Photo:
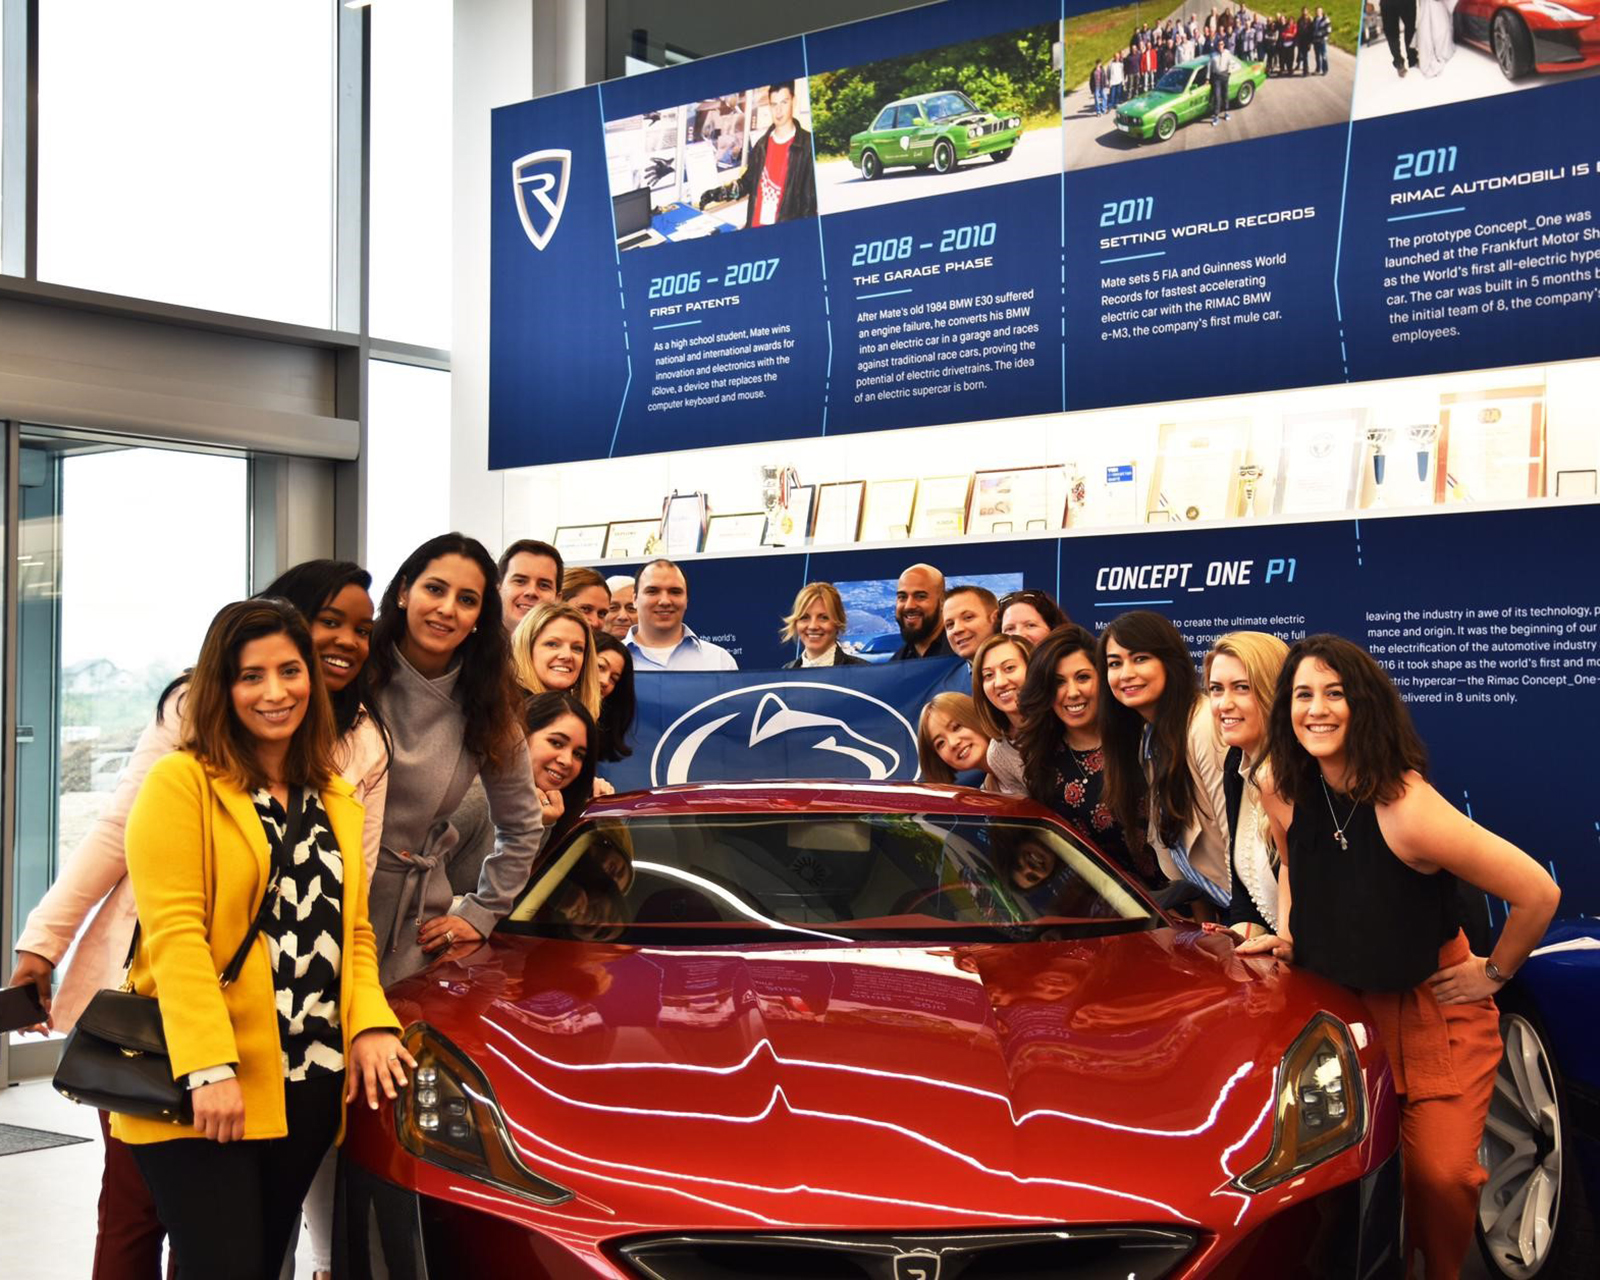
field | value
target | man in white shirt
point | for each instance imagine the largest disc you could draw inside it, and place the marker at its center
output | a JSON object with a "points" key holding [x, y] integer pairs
{"points": [[1222, 66], [660, 641], [530, 575]]}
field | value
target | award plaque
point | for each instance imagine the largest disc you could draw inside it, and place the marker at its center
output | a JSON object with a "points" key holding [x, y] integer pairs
{"points": [[1110, 496], [1492, 446], [683, 523], [1319, 464], [579, 542], [1030, 498], [886, 514], [792, 525], [941, 507], [632, 539], [838, 513], [1197, 469], [741, 532], [1579, 483]]}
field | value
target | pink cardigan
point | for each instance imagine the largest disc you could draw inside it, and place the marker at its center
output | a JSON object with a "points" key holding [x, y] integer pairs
{"points": [[97, 872]]}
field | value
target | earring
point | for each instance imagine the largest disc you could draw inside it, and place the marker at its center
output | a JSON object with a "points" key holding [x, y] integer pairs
{"points": [[474, 630]]}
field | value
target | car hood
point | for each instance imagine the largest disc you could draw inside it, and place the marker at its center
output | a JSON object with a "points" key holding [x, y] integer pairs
{"points": [[1152, 101], [1114, 1079]]}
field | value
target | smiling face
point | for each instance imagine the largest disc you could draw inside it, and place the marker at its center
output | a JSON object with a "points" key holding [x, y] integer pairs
{"points": [[442, 608], [621, 616], [341, 635], [608, 666], [272, 690], [1034, 866], [592, 603], [1233, 704], [558, 653], [816, 627], [1136, 679], [557, 752], [1320, 714], [1002, 673], [1077, 696], [967, 623], [529, 580], [1022, 619], [918, 605], [663, 600], [958, 745]]}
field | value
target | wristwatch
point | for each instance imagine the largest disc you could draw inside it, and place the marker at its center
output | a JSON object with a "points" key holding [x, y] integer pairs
{"points": [[1492, 972]]}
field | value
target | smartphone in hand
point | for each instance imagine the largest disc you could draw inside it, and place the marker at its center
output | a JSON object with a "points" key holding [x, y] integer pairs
{"points": [[20, 1007]]}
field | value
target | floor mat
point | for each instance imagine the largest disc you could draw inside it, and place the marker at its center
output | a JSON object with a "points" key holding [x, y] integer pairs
{"points": [[14, 1139]]}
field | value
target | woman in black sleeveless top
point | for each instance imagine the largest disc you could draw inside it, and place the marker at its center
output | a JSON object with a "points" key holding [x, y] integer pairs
{"points": [[1367, 889]]}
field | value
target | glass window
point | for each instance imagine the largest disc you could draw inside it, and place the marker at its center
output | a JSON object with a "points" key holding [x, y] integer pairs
{"points": [[409, 290], [186, 153], [408, 463]]}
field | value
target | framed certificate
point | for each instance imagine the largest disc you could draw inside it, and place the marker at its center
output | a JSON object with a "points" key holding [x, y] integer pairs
{"points": [[886, 514], [683, 523], [792, 527], [1491, 446], [1576, 484], [1319, 464], [1018, 501], [742, 532], [941, 507], [1197, 468], [1110, 496], [838, 512], [581, 541], [631, 539]]}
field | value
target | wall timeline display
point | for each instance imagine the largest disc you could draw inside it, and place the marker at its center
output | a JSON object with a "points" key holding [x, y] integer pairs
{"points": [[950, 214]]}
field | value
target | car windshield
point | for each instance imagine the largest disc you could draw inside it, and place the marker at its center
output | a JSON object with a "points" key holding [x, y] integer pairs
{"points": [[843, 876], [944, 105], [1175, 81]]}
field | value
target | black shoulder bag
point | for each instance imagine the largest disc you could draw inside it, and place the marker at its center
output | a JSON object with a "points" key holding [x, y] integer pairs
{"points": [[116, 1057]]}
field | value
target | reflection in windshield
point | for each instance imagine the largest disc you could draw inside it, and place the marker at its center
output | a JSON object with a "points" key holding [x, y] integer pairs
{"points": [[832, 876], [948, 104], [1175, 81]]}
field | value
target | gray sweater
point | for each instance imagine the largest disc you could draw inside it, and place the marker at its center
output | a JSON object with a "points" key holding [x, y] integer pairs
{"points": [[430, 770]]}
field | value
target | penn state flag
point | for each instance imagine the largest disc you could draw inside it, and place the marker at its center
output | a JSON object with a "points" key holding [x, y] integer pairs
{"points": [[852, 723]]}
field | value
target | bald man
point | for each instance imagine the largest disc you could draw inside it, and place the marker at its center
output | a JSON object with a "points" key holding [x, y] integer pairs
{"points": [[919, 609]]}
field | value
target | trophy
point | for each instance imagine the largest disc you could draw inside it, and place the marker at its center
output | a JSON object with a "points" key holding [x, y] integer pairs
{"points": [[1249, 477], [1422, 439], [1378, 441], [777, 482], [1077, 498]]}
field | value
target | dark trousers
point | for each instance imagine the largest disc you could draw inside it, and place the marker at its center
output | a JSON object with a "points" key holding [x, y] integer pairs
{"points": [[1219, 95], [128, 1238], [230, 1207], [1397, 14]]}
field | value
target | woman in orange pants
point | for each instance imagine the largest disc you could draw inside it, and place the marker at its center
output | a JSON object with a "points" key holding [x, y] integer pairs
{"points": [[1371, 854]]}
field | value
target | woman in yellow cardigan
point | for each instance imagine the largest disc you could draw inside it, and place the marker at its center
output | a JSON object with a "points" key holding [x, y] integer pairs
{"points": [[271, 1059]]}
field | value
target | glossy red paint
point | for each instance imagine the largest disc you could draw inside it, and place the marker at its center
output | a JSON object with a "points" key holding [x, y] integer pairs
{"points": [[875, 1086]]}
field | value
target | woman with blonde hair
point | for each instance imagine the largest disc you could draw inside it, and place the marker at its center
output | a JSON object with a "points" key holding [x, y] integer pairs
{"points": [[951, 739], [552, 651], [814, 624], [586, 591], [999, 668], [1241, 674]]}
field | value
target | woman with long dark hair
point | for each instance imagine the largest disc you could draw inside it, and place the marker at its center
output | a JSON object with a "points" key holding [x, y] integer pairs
{"points": [[1371, 854], [618, 704], [998, 669], [441, 674], [332, 595], [271, 1059], [1063, 765], [560, 735], [1162, 758]]}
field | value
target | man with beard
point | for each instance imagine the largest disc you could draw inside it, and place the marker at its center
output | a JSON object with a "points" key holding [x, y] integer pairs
{"points": [[919, 609]]}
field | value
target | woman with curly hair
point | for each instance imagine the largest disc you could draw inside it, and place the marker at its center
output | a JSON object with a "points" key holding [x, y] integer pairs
{"points": [[441, 674]]}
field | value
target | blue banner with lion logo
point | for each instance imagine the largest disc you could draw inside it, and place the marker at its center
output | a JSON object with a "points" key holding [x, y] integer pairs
{"points": [[858, 724]]}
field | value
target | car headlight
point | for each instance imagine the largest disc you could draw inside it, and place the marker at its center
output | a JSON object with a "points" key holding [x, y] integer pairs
{"points": [[448, 1116], [1559, 12], [1320, 1107]]}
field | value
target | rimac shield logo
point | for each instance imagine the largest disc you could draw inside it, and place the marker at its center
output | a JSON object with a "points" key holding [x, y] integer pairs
{"points": [[537, 175], [789, 729]]}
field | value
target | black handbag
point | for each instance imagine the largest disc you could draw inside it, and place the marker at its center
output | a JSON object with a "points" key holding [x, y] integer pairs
{"points": [[116, 1057]]}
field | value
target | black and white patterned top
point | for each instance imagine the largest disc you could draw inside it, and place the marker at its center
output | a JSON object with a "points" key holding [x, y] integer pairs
{"points": [[304, 934]]}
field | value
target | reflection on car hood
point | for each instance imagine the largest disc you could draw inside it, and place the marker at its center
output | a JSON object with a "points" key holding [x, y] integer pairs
{"points": [[1117, 1079]]}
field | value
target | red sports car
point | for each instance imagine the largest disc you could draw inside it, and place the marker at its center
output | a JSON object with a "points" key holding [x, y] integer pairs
{"points": [[886, 1031], [1532, 35]]}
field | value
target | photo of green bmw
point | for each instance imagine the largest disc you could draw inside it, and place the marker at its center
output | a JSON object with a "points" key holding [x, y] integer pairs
{"points": [[937, 130], [1184, 94], [928, 122]]}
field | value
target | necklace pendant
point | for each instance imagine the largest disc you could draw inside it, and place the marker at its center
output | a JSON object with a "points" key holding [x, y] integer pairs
{"points": [[1343, 843]]}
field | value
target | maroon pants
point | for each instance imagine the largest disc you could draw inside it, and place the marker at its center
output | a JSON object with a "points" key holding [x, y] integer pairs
{"points": [[128, 1246]]}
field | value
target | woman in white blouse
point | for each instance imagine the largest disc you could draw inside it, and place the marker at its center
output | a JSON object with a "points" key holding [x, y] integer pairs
{"points": [[814, 624]]}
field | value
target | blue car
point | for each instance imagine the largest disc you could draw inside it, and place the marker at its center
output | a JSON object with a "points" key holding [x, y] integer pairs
{"points": [[1542, 1141]]}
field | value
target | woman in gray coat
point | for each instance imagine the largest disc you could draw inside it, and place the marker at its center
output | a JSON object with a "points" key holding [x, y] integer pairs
{"points": [[441, 675]]}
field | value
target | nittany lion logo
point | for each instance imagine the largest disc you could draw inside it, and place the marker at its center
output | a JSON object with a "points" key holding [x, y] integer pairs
{"points": [[538, 174], [792, 729]]}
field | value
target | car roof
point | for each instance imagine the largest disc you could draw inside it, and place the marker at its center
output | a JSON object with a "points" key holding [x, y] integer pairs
{"points": [[920, 98], [785, 797]]}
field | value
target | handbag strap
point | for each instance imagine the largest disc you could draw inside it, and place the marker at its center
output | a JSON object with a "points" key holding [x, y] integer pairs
{"points": [[282, 854]]}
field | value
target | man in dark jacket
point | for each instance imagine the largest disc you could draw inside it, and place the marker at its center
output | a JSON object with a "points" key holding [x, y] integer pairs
{"points": [[779, 181]]}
